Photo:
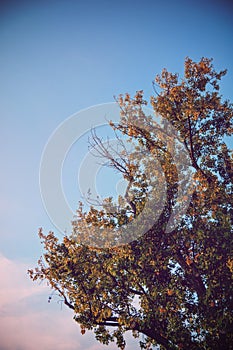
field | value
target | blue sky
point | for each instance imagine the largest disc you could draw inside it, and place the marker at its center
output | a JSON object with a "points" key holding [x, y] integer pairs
{"points": [[57, 58]]}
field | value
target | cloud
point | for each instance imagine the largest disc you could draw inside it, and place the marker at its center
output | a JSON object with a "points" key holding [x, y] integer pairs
{"points": [[28, 322]]}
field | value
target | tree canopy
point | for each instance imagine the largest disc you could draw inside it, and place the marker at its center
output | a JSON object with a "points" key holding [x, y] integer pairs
{"points": [[171, 280]]}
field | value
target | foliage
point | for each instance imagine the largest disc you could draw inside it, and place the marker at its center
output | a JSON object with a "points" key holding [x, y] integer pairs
{"points": [[174, 286]]}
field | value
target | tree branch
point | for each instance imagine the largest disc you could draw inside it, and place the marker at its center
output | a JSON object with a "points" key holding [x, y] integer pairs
{"points": [[66, 302]]}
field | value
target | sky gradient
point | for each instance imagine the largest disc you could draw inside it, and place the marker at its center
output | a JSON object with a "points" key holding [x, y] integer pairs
{"points": [[58, 57]]}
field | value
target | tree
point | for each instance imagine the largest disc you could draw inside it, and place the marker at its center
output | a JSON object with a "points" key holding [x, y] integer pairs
{"points": [[173, 284]]}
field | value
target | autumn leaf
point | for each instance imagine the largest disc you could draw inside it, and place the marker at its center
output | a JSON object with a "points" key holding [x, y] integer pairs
{"points": [[174, 287]]}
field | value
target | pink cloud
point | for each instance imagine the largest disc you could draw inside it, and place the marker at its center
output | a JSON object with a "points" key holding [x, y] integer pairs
{"points": [[27, 321]]}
